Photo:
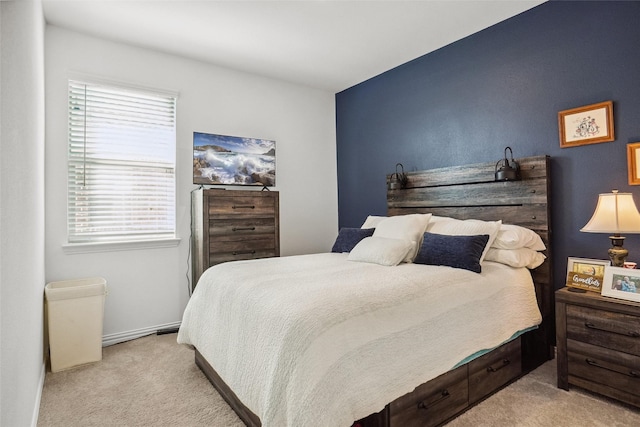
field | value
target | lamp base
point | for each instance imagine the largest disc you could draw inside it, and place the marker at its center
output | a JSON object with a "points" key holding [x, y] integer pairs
{"points": [[617, 254]]}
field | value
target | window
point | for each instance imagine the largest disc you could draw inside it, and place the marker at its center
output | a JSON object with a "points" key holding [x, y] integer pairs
{"points": [[121, 164]]}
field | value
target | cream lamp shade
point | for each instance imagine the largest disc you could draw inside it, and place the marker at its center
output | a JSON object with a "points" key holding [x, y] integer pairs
{"points": [[615, 213]]}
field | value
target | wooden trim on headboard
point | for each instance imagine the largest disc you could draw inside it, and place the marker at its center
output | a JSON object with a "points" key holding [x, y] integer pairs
{"points": [[470, 192]]}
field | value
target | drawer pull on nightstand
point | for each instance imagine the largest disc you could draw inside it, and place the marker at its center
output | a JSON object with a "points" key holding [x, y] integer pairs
{"points": [[443, 395], [595, 363], [632, 334], [243, 207], [243, 229], [504, 363], [243, 252]]}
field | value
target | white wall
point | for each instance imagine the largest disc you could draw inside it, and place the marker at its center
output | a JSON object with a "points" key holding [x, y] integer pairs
{"points": [[22, 263], [148, 288]]}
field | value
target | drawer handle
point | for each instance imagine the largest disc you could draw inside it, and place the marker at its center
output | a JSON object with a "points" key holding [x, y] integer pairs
{"points": [[632, 334], [442, 396], [243, 207], [504, 363], [595, 363], [243, 252], [243, 228]]}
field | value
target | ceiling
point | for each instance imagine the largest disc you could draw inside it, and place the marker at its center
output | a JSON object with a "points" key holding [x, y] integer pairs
{"points": [[329, 45]]}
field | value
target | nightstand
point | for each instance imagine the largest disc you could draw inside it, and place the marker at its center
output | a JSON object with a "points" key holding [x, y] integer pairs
{"points": [[598, 341]]}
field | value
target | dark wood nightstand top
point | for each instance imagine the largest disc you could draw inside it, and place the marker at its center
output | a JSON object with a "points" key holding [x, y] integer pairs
{"points": [[595, 300]]}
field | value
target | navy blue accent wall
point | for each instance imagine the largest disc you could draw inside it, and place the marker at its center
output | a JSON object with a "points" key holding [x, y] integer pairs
{"points": [[503, 86]]}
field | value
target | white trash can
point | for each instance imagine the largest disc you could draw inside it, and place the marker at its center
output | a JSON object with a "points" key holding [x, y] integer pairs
{"points": [[75, 316]]}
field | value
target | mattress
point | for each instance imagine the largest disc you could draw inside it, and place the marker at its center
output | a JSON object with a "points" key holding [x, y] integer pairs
{"points": [[317, 340]]}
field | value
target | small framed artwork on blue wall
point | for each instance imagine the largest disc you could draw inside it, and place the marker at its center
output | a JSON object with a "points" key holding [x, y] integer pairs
{"points": [[590, 124]]}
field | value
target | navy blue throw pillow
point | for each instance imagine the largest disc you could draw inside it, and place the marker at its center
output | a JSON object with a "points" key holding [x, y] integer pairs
{"points": [[348, 238], [452, 251]]}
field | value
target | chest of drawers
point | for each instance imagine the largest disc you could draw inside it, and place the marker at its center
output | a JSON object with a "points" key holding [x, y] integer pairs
{"points": [[229, 225], [598, 340]]}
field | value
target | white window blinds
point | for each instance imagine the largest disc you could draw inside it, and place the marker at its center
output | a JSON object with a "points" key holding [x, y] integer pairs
{"points": [[121, 167]]}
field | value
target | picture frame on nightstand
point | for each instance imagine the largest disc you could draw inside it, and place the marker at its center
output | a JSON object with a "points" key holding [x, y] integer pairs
{"points": [[586, 274], [622, 283]]}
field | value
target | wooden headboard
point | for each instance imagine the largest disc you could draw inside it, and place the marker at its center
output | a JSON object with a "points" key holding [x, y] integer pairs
{"points": [[470, 192]]}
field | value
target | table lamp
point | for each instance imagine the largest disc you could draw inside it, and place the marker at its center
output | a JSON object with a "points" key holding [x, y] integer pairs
{"points": [[615, 213]]}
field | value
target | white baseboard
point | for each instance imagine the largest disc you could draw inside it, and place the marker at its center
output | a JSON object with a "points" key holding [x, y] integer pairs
{"points": [[119, 337], [36, 409]]}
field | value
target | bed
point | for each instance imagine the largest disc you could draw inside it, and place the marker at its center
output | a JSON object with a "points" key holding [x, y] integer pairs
{"points": [[326, 339]]}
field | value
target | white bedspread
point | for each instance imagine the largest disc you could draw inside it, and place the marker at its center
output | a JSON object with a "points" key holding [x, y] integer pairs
{"points": [[316, 340]]}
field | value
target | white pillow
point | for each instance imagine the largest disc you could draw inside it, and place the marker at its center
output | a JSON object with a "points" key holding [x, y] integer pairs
{"points": [[380, 250], [372, 221], [468, 227], [405, 227], [436, 218], [515, 237], [522, 257]]}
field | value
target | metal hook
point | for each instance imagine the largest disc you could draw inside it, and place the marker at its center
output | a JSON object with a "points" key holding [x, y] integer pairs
{"points": [[398, 180]]}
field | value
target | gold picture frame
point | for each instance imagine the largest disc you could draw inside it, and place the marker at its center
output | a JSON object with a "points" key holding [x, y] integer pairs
{"points": [[587, 274], [633, 168], [590, 124]]}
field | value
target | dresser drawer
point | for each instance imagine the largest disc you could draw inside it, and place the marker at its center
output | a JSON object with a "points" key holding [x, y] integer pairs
{"points": [[614, 374], [432, 403], [241, 255], [616, 331], [242, 243], [249, 205], [242, 226], [493, 370]]}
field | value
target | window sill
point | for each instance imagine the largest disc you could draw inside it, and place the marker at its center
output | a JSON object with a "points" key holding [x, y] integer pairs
{"points": [[83, 248]]}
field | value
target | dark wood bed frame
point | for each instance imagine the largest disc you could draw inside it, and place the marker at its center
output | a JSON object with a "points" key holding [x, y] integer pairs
{"points": [[464, 192]]}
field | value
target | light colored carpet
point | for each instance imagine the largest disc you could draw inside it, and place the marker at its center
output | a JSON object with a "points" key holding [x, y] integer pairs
{"points": [[153, 381], [150, 381]]}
